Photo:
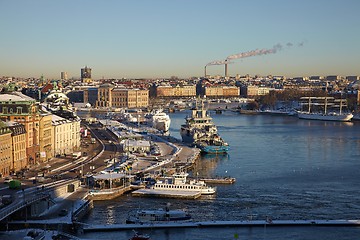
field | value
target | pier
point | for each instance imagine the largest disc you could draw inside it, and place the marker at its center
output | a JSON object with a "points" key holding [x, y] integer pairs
{"points": [[208, 224], [226, 180], [166, 194]]}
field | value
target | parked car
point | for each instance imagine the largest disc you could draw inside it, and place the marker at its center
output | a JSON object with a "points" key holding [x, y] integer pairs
{"points": [[7, 179]]}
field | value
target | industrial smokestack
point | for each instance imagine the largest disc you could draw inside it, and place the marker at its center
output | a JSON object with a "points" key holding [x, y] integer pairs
{"points": [[205, 71], [226, 69]]}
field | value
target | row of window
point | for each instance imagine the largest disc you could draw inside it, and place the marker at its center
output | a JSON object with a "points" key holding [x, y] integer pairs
{"points": [[177, 186], [6, 110]]}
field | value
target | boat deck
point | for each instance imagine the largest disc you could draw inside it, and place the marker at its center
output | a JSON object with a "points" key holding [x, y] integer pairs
{"points": [[219, 180], [166, 193]]}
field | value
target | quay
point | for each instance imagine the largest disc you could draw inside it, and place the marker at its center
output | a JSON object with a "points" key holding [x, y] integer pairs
{"points": [[108, 194], [166, 194], [225, 180], [208, 224]]}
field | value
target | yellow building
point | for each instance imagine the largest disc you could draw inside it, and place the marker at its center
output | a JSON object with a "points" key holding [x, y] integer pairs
{"points": [[45, 137], [109, 96], [176, 91], [222, 91], [18, 136], [137, 98], [5, 150], [104, 95], [15, 106]]}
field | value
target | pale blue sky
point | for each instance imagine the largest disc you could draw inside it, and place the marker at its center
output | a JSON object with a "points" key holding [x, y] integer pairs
{"points": [[162, 38]]}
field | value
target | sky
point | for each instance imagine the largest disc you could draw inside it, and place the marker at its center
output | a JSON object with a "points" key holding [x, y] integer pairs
{"points": [[164, 38]]}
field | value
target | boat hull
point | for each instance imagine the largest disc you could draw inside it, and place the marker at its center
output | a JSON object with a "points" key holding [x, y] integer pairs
{"points": [[324, 117], [214, 149]]}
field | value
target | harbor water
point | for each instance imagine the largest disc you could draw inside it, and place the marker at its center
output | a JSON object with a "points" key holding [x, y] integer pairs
{"points": [[285, 168]]}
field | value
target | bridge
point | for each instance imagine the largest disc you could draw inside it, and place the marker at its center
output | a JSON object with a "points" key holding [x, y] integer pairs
{"points": [[29, 196]]}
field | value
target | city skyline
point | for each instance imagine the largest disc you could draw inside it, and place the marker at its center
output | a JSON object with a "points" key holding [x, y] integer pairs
{"points": [[154, 39]]}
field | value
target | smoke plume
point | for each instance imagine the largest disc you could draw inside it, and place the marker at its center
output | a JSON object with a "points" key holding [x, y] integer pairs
{"points": [[257, 52], [221, 62]]}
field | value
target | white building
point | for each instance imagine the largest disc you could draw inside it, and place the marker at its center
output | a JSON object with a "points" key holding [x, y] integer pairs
{"points": [[140, 146], [66, 135]]}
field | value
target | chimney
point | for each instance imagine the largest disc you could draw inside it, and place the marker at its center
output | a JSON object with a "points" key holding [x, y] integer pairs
{"points": [[226, 69]]}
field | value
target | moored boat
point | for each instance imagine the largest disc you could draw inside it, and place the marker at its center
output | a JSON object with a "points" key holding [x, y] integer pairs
{"points": [[323, 113], [157, 216], [178, 182], [200, 131], [139, 236]]}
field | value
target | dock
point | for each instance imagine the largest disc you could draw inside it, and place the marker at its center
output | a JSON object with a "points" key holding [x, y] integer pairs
{"points": [[108, 194], [166, 193], [225, 180], [207, 224]]}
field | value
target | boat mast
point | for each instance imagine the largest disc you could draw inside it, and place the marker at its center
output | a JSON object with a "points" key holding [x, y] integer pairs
{"points": [[325, 110], [341, 101]]}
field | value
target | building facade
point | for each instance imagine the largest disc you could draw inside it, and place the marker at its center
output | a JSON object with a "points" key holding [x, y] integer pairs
{"points": [[18, 137], [109, 96], [20, 108], [62, 140], [5, 150], [45, 137], [221, 91], [176, 91]]}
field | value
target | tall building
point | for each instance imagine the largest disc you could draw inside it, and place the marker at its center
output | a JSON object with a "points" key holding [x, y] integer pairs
{"points": [[5, 150], [64, 76], [86, 74], [18, 135], [17, 107]]}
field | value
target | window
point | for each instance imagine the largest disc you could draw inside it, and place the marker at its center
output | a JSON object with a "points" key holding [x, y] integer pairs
{"points": [[19, 110]]}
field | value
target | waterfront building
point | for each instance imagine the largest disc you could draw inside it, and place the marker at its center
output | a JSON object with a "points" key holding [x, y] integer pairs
{"points": [[253, 91], [5, 150], [110, 96], [176, 91], [222, 91], [136, 98]]}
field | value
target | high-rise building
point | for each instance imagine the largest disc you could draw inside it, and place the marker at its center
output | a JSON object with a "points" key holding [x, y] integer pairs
{"points": [[86, 74], [64, 76]]}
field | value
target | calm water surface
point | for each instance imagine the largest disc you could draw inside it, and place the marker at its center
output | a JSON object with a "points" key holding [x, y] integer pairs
{"points": [[285, 168]]}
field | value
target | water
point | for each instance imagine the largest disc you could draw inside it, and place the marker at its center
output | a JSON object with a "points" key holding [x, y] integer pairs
{"points": [[285, 168]]}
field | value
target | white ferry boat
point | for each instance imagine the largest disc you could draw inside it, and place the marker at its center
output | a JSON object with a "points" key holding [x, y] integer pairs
{"points": [[160, 121], [178, 182], [157, 216]]}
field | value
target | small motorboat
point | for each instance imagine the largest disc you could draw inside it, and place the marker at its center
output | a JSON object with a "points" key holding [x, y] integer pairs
{"points": [[139, 236]]}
